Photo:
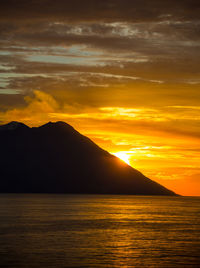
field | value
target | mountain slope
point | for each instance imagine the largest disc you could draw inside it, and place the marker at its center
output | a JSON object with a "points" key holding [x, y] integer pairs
{"points": [[55, 158]]}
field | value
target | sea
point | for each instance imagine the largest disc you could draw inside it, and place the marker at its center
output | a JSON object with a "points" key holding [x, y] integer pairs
{"points": [[57, 230]]}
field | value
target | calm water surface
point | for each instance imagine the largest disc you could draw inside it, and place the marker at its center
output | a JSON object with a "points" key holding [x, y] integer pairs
{"points": [[99, 231]]}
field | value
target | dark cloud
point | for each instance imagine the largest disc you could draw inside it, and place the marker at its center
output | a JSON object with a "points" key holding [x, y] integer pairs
{"points": [[155, 42], [152, 41], [8, 101], [91, 10]]}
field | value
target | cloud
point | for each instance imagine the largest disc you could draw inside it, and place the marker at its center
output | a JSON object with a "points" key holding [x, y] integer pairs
{"points": [[87, 10], [36, 110], [157, 51], [148, 121]]}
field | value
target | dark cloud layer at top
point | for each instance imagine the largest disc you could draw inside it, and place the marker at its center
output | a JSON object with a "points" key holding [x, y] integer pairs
{"points": [[153, 40], [104, 10]]}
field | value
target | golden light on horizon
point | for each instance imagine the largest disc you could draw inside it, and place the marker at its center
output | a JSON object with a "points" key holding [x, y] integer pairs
{"points": [[123, 156]]}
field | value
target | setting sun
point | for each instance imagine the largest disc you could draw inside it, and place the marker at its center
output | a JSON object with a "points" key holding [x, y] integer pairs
{"points": [[123, 156]]}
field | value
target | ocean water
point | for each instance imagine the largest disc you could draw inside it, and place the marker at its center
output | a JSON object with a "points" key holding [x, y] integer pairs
{"points": [[99, 231]]}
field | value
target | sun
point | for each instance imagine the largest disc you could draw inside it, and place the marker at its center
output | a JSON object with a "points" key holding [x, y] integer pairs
{"points": [[123, 156]]}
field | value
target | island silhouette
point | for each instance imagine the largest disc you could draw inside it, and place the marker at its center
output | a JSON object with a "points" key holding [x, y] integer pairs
{"points": [[55, 158]]}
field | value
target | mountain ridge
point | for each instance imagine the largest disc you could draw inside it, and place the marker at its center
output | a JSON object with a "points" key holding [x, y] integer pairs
{"points": [[55, 158]]}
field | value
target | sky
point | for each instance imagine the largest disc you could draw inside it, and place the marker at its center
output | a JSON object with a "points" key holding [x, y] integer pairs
{"points": [[125, 73]]}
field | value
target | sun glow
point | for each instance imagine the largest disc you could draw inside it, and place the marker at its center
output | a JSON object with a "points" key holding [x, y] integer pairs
{"points": [[123, 156]]}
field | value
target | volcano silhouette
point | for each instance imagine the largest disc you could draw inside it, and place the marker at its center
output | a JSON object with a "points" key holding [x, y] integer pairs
{"points": [[55, 158]]}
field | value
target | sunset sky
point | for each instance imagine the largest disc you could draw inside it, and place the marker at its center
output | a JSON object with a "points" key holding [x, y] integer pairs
{"points": [[125, 73]]}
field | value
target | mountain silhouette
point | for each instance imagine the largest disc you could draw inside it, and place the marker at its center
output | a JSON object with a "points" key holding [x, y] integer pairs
{"points": [[55, 158]]}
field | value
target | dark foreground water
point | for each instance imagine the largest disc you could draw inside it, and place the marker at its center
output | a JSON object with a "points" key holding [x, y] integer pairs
{"points": [[99, 231]]}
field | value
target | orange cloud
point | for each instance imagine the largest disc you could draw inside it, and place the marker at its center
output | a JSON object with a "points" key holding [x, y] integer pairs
{"points": [[37, 110]]}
